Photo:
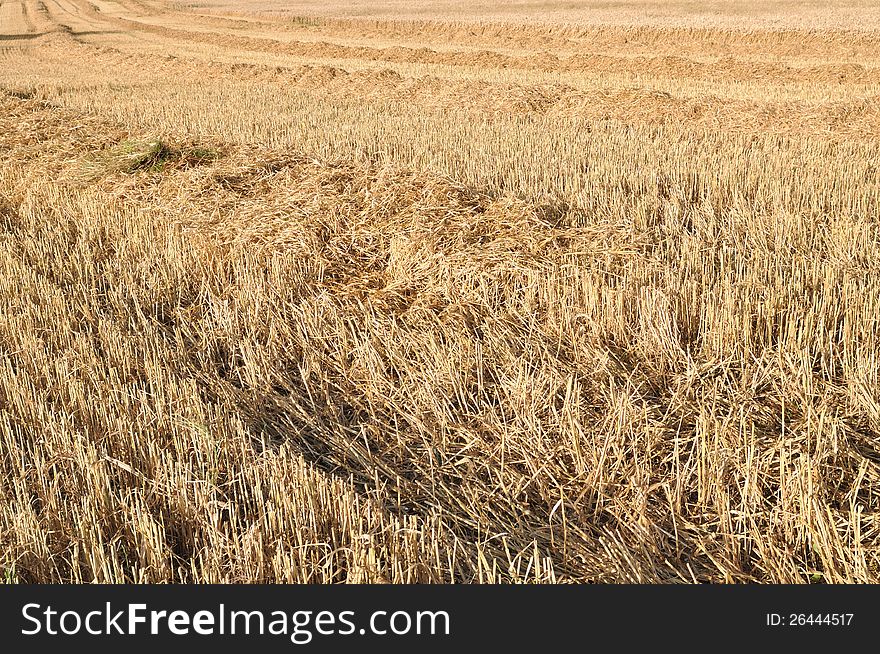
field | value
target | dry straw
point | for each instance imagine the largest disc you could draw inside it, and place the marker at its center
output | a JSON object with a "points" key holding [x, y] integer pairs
{"points": [[304, 302]]}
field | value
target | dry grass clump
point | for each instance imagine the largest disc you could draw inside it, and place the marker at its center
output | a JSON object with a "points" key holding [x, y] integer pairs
{"points": [[308, 302], [150, 155]]}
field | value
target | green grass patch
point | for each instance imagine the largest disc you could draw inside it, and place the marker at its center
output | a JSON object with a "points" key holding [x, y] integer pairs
{"points": [[151, 156]]}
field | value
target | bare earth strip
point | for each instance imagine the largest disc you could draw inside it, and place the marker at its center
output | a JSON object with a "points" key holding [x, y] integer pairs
{"points": [[363, 294]]}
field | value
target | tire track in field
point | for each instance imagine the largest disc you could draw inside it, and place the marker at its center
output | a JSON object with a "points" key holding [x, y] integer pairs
{"points": [[25, 9], [68, 18], [82, 24], [13, 21], [37, 16]]}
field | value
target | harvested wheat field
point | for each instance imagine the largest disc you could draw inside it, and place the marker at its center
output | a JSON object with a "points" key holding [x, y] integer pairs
{"points": [[538, 292]]}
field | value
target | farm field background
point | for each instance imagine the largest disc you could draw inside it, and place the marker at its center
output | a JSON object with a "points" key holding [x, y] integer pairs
{"points": [[439, 291]]}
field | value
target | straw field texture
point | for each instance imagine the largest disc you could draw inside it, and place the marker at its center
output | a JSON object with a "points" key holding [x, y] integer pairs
{"points": [[442, 292]]}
